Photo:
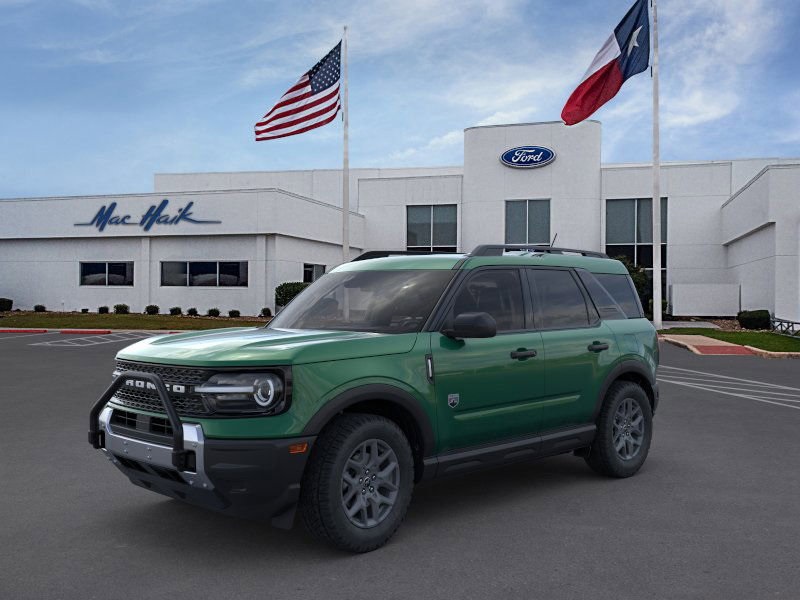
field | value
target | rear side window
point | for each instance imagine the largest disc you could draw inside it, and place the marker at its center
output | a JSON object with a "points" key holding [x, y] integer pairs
{"points": [[561, 304], [605, 304], [621, 289]]}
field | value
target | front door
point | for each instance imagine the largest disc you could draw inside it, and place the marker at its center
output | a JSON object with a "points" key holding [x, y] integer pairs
{"points": [[487, 389]]}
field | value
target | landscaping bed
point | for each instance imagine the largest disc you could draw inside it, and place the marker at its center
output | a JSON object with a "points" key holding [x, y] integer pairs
{"points": [[76, 320], [764, 340]]}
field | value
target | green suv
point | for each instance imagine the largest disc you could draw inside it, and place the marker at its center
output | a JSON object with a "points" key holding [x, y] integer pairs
{"points": [[385, 372]]}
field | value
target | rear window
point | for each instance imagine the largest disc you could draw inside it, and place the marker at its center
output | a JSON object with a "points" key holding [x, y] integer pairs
{"points": [[622, 291]]}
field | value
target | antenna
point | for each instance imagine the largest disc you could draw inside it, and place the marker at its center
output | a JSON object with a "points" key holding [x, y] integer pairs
{"points": [[555, 237]]}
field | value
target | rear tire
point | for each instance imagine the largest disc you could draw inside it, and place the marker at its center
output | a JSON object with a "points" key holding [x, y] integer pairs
{"points": [[624, 431], [358, 483]]}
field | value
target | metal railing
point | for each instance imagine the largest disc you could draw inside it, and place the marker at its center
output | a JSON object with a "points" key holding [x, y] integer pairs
{"points": [[785, 327]]}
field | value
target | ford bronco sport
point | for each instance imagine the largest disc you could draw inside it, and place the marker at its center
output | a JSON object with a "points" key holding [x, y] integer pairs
{"points": [[385, 372]]}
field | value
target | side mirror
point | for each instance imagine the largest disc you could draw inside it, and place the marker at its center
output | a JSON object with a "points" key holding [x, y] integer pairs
{"points": [[472, 325]]}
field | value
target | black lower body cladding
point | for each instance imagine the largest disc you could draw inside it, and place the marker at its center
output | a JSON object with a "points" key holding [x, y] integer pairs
{"points": [[255, 479]]}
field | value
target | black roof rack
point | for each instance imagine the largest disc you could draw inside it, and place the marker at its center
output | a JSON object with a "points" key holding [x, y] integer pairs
{"points": [[498, 249], [385, 253]]}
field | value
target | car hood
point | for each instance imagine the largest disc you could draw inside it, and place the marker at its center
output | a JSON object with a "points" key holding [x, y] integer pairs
{"points": [[262, 346]]}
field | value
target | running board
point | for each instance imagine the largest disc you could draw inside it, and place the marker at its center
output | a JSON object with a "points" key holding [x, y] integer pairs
{"points": [[548, 444]]}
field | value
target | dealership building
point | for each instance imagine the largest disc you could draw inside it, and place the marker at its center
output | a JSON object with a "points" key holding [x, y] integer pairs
{"points": [[730, 228]]}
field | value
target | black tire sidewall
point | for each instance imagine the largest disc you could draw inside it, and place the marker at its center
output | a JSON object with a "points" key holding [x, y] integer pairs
{"points": [[354, 537], [606, 458]]}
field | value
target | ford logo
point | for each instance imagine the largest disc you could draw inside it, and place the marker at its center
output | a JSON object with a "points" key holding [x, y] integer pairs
{"points": [[527, 157]]}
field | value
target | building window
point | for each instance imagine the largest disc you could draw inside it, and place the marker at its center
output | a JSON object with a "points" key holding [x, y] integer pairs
{"points": [[432, 227], [312, 272], [629, 232], [107, 273], [204, 273], [528, 222]]}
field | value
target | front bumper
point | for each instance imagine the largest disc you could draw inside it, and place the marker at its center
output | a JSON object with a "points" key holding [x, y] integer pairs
{"points": [[258, 479]]}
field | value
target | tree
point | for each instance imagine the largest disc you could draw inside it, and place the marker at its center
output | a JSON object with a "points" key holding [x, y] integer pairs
{"points": [[641, 280]]}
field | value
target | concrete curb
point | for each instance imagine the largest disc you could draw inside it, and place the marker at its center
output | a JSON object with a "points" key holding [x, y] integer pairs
{"points": [[98, 331], [688, 347], [756, 351], [770, 354]]}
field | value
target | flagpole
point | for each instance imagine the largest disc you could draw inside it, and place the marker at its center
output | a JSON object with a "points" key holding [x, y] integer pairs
{"points": [[345, 159], [656, 204]]}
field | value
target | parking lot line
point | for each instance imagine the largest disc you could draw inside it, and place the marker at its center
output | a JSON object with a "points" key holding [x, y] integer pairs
{"points": [[676, 372], [95, 340], [759, 391], [727, 393], [22, 334]]}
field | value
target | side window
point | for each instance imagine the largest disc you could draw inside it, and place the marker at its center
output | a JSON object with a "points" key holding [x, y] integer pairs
{"points": [[560, 300], [605, 304], [498, 293], [623, 291]]}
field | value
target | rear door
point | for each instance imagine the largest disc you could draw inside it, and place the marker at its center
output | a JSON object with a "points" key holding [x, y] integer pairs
{"points": [[488, 389], [578, 347]]}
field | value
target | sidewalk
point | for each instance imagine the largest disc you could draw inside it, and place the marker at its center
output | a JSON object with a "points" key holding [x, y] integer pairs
{"points": [[700, 344]]}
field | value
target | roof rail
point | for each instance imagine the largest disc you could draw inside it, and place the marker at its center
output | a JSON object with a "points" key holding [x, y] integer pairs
{"points": [[385, 253], [498, 249]]}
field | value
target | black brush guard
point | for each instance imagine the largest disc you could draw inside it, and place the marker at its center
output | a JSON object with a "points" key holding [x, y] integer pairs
{"points": [[179, 455]]}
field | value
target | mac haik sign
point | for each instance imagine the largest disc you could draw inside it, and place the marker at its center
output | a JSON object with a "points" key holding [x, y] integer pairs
{"points": [[156, 216]]}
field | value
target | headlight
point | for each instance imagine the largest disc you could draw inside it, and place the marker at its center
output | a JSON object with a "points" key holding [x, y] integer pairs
{"points": [[244, 393]]}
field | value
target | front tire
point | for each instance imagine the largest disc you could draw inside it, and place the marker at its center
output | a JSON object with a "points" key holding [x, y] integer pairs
{"points": [[624, 431], [358, 482]]}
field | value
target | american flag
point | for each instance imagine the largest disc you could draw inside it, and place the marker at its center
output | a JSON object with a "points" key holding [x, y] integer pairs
{"points": [[310, 103]]}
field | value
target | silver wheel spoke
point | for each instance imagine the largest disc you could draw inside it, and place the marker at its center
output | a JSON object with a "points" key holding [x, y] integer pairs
{"points": [[370, 483]]}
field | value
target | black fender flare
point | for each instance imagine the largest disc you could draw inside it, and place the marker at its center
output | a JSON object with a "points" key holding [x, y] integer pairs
{"points": [[623, 368], [375, 392]]}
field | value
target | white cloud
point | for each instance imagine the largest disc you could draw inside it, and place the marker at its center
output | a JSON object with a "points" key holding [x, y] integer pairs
{"points": [[451, 139], [707, 49]]}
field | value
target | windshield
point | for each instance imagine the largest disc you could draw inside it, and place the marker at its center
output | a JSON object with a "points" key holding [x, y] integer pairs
{"points": [[377, 301]]}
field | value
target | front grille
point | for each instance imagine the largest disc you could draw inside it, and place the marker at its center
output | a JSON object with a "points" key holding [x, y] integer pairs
{"points": [[142, 427], [186, 405]]}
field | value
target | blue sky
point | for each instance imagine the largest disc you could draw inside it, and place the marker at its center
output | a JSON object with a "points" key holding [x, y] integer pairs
{"points": [[97, 95]]}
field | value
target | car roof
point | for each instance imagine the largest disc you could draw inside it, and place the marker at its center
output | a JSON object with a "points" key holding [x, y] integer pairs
{"points": [[466, 261]]}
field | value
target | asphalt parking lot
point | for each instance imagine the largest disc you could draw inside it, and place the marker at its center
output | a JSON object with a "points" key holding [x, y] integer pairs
{"points": [[714, 513]]}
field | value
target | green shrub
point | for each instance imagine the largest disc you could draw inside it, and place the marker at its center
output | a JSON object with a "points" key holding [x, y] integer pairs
{"points": [[39, 308], [6, 304], [286, 291], [192, 312], [122, 309], [152, 309], [641, 281], [213, 312], [234, 314], [84, 310], [266, 312], [175, 310], [102, 310], [754, 319]]}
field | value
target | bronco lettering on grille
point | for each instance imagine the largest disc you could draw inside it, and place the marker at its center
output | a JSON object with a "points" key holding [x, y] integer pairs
{"points": [[146, 385]]}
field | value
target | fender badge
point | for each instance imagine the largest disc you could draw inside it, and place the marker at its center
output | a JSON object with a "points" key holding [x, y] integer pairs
{"points": [[453, 400]]}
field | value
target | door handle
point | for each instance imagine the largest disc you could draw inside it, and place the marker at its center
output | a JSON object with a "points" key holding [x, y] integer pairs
{"points": [[522, 354], [597, 346]]}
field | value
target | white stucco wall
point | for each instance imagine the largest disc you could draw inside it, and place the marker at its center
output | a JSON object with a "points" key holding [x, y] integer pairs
{"points": [[731, 224], [571, 182], [384, 201]]}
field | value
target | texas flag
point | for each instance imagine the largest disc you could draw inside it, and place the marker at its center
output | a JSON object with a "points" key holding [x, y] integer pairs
{"points": [[625, 53]]}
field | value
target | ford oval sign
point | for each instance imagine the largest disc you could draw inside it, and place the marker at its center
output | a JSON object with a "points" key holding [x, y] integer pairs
{"points": [[527, 157]]}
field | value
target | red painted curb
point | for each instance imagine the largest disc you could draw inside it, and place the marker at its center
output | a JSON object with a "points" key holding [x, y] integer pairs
{"points": [[711, 350], [87, 331], [23, 330]]}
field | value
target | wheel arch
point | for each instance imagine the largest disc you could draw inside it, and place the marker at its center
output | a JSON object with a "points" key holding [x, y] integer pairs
{"points": [[629, 370], [386, 401]]}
